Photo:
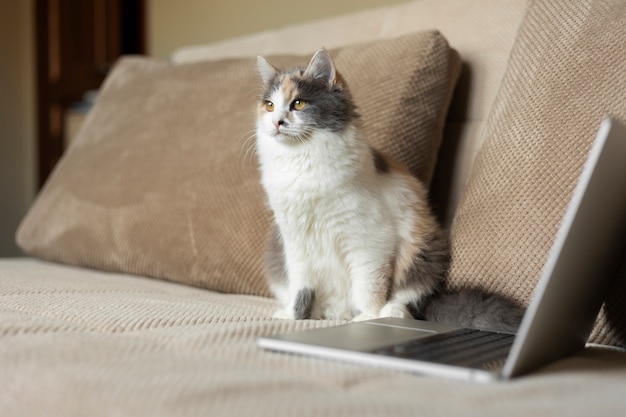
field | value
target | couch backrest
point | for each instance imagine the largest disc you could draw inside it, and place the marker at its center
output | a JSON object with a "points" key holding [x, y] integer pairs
{"points": [[482, 31]]}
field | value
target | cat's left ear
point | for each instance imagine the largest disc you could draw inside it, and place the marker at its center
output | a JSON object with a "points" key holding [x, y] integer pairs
{"points": [[322, 67], [267, 70]]}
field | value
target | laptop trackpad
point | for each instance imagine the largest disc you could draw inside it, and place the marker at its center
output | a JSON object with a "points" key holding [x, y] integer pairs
{"points": [[361, 337]]}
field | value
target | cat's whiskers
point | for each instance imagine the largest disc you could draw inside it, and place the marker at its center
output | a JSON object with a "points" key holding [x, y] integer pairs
{"points": [[303, 135], [247, 149]]}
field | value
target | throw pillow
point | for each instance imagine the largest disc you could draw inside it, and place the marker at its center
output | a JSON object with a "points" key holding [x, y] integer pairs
{"points": [[564, 75]]}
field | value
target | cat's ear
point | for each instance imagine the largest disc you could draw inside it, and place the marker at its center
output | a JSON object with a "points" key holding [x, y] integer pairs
{"points": [[267, 70], [322, 67]]}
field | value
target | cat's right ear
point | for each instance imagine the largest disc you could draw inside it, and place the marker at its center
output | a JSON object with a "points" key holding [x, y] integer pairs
{"points": [[266, 70], [322, 67]]}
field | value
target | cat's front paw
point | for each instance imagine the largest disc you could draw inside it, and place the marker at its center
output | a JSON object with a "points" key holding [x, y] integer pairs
{"points": [[284, 314], [364, 316], [336, 314], [395, 310]]}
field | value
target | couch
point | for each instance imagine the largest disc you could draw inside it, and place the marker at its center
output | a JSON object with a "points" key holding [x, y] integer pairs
{"points": [[142, 291]]}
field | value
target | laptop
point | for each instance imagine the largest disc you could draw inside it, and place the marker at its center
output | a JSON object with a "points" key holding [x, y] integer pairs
{"points": [[587, 254]]}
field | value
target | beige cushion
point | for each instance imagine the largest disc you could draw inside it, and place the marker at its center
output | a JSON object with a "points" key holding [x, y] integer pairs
{"points": [[162, 181], [81, 343], [566, 72]]}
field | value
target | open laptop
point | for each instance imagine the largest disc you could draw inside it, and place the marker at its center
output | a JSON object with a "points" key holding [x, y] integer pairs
{"points": [[586, 255]]}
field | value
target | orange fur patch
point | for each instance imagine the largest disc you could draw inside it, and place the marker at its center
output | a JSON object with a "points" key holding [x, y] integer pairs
{"points": [[289, 89], [424, 223]]}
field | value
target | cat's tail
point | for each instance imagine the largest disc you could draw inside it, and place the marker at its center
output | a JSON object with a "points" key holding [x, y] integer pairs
{"points": [[472, 307]]}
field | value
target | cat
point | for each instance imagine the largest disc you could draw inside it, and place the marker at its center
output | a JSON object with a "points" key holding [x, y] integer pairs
{"points": [[354, 236]]}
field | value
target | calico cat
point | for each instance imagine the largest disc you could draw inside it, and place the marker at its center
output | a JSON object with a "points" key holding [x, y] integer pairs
{"points": [[354, 236]]}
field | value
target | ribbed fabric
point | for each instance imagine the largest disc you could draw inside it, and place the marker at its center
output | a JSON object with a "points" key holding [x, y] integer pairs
{"points": [[566, 72], [76, 342], [162, 181]]}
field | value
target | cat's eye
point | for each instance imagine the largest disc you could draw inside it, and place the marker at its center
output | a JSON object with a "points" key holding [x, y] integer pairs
{"points": [[298, 104], [269, 106]]}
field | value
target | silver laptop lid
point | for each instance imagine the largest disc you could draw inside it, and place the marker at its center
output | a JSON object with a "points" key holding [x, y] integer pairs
{"points": [[586, 255]]}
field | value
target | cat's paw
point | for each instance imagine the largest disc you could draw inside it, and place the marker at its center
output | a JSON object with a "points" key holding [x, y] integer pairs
{"points": [[284, 314], [395, 310], [336, 314], [364, 316]]}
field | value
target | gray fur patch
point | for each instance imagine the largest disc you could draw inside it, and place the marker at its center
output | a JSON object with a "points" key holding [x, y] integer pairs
{"points": [[329, 109], [468, 307], [380, 163], [431, 264], [476, 308], [304, 304]]}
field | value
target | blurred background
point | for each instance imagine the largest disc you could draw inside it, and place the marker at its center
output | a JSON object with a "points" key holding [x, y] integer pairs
{"points": [[54, 55]]}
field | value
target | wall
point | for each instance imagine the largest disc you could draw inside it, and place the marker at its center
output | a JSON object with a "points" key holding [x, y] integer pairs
{"points": [[183, 22], [17, 119]]}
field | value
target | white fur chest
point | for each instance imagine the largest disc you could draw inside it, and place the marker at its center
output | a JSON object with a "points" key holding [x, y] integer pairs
{"points": [[323, 195], [317, 167], [313, 182]]}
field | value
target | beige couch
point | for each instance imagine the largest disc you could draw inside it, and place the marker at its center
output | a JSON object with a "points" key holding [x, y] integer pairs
{"points": [[87, 330]]}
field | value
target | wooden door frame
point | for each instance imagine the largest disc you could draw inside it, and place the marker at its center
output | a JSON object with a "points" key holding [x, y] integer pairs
{"points": [[64, 28]]}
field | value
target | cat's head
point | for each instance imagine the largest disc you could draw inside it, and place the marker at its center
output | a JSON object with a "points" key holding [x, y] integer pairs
{"points": [[299, 102]]}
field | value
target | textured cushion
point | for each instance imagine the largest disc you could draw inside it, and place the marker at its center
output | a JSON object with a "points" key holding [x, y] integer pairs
{"points": [[161, 180], [565, 73], [77, 343]]}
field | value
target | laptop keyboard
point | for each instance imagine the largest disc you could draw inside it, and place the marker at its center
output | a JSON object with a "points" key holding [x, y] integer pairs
{"points": [[468, 347]]}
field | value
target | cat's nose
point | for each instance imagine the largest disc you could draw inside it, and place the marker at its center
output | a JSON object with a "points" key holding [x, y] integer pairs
{"points": [[279, 123]]}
